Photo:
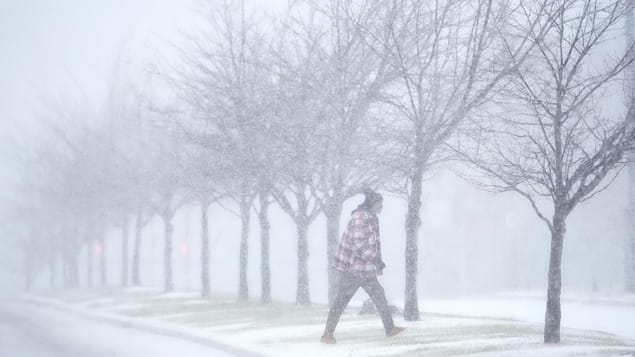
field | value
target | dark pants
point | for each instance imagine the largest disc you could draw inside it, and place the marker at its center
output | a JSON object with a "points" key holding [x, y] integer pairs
{"points": [[347, 287]]}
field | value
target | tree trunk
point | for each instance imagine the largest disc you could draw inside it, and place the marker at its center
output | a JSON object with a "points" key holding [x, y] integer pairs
{"points": [[243, 288], [411, 304], [136, 255], [73, 270], [102, 262], [302, 294], [265, 270], [52, 270], [28, 279], [64, 264], [65, 261], [629, 261], [27, 260], [333, 213], [168, 283], [629, 249], [89, 263], [124, 252], [553, 313], [205, 284], [71, 256]]}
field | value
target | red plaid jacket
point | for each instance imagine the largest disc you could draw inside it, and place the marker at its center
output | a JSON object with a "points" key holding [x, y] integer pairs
{"points": [[359, 250]]}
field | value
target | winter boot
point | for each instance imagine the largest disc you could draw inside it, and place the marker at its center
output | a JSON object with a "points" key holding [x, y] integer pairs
{"points": [[328, 339], [395, 331]]}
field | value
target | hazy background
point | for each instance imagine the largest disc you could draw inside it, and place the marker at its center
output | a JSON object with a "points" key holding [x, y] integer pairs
{"points": [[470, 241]]}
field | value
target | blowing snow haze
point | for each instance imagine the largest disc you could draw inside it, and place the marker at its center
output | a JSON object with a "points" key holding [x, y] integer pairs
{"points": [[205, 149], [65, 53]]}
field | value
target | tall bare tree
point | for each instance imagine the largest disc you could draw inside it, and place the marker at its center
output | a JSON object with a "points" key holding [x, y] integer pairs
{"points": [[450, 56], [221, 81], [296, 125], [552, 138], [167, 182], [348, 38]]}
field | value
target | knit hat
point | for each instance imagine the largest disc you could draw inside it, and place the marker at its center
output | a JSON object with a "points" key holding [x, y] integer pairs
{"points": [[370, 197]]}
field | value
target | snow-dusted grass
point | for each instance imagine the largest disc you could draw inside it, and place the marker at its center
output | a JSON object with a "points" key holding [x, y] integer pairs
{"points": [[283, 329], [611, 314]]}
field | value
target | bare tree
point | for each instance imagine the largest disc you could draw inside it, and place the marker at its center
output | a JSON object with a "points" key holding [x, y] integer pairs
{"points": [[23, 236], [551, 139], [348, 39], [206, 177], [80, 175], [224, 85], [139, 145], [141, 220], [167, 182], [450, 56], [296, 125], [629, 256], [54, 189]]}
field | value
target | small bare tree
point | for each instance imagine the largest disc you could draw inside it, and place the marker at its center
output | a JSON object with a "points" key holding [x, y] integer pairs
{"points": [[552, 138]]}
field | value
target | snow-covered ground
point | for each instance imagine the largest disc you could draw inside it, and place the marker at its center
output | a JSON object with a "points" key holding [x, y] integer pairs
{"points": [[36, 331], [611, 314], [505, 325]]}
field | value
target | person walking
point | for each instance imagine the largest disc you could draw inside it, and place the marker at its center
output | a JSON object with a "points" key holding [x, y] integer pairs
{"points": [[358, 261]]}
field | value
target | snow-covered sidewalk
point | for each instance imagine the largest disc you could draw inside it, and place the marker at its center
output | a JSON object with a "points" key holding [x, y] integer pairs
{"points": [[283, 329]]}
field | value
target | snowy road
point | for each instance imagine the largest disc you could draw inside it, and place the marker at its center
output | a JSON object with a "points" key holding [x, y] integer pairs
{"points": [[31, 331], [19, 337], [25, 334]]}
